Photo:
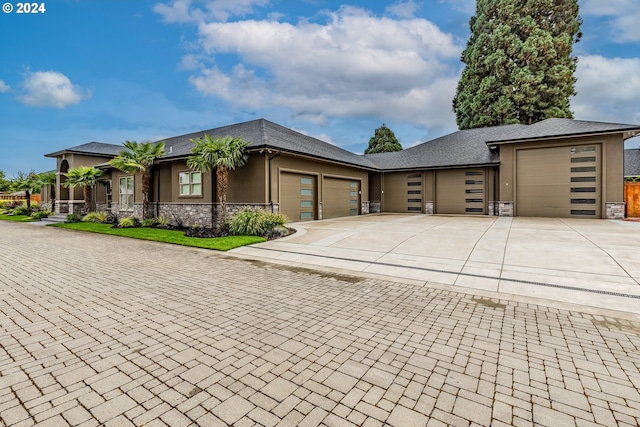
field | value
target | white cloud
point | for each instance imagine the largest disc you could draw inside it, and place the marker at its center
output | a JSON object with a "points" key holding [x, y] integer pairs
{"points": [[624, 15], [403, 9], [607, 89], [200, 10], [354, 65], [4, 87], [466, 6], [50, 89]]}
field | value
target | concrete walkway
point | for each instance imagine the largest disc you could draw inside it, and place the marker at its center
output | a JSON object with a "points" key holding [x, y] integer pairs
{"points": [[104, 331], [588, 262]]}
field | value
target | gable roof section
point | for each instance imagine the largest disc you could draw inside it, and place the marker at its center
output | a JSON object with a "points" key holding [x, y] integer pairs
{"points": [[556, 128], [462, 148], [632, 162], [267, 135], [98, 149]]}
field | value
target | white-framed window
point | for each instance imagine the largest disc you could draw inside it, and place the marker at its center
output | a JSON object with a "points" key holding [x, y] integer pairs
{"points": [[126, 193], [190, 183]]}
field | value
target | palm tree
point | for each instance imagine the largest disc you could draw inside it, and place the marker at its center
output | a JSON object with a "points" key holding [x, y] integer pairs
{"points": [[222, 154], [86, 177], [24, 182], [48, 178], [139, 157]]}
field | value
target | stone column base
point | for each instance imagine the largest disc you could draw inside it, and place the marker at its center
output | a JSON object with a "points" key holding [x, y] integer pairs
{"points": [[505, 208], [428, 208], [615, 210], [364, 208], [374, 207]]}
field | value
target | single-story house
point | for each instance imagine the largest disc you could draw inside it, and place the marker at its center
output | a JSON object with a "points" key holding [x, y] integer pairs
{"points": [[632, 163], [553, 168]]}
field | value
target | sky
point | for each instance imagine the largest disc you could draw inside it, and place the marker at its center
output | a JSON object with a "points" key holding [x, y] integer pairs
{"points": [[116, 70]]}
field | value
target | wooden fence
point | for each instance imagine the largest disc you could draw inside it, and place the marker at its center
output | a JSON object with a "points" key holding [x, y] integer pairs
{"points": [[632, 197]]}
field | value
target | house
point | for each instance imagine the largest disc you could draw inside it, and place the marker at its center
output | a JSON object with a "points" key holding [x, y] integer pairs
{"points": [[632, 163], [553, 168]]}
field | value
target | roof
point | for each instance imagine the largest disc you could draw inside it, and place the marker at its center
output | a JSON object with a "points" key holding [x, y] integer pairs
{"points": [[462, 148], [99, 149], [555, 127], [262, 133], [632, 162]]}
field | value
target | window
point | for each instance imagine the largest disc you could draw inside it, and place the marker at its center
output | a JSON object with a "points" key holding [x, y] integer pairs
{"points": [[583, 179], [583, 201], [306, 181], [582, 159], [474, 200], [584, 169], [575, 150], [353, 184], [306, 215], [306, 203], [306, 192], [353, 194], [414, 184], [473, 210], [473, 181], [126, 193], [583, 189], [190, 183], [414, 191], [474, 191], [473, 173], [414, 200], [108, 191], [414, 209]]}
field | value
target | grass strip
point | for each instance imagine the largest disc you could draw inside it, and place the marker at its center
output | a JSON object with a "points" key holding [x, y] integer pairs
{"points": [[16, 218], [166, 236]]}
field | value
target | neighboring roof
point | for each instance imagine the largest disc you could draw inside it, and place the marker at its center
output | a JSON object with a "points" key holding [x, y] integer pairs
{"points": [[461, 148], [265, 134], [554, 128], [632, 162], [99, 149]]}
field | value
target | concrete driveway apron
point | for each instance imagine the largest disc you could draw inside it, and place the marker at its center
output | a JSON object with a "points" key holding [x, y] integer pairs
{"points": [[587, 262]]}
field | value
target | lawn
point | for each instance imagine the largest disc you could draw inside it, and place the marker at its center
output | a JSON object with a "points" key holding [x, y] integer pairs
{"points": [[17, 218], [165, 236]]}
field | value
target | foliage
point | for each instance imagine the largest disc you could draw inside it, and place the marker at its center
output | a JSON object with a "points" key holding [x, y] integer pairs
{"points": [[22, 210], [383, 141], [140, 157], [166, 236], [48, 178], [221, 154], [40, 214], [85, 177], [5, 184], [148, 222], [519, 67], [99, 217], [162, 221], [632, 179], [255, 222], [129, 222], [24, 182], [72, 218]]}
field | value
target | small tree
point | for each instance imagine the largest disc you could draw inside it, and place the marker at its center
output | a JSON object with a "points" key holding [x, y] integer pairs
{"points": [[223, 155], [85, 177], [24, 182], [383, 141], [140, 157], [48, 178], [5, 184]]}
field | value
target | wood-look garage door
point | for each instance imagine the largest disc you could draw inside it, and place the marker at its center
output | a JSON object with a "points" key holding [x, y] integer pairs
{"points": [[558, 182], [298, 196], [341, 197], [460, 191], [402, 192]]}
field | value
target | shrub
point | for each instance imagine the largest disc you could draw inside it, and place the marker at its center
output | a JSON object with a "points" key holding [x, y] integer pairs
{"points": [[21, 210], [12, 204], [39, 214], [100, 217], [255, 222], [73, 218], [148, 222], [277, 232], [129, 222], [163, 221]]}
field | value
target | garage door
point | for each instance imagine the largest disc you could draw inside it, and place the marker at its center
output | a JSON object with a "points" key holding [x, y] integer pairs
{"points": [[298, 196], [460, 191], [402, 192], [558, 182], [341, 198]]}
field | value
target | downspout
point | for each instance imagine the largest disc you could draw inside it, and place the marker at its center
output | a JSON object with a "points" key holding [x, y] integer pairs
{"points": [[270, 183], [495, 195]]}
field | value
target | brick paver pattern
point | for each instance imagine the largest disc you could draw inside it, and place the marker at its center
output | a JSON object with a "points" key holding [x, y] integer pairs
{"points": [[99, 330]]}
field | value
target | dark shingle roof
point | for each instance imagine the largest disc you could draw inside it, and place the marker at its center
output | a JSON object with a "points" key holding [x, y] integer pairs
{"points": [[461, 148], [265, 134], [632, 162], [99, 149], [553, 128]]}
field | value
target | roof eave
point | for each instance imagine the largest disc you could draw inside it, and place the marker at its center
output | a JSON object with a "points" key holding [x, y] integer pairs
{"points": [[626, 134]]}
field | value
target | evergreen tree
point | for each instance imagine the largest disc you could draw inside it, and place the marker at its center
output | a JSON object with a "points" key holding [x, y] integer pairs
{"points": [[383, 141], [519, 67]]}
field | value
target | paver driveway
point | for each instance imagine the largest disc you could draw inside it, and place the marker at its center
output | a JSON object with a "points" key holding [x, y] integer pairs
{"points": [[100, 330]]}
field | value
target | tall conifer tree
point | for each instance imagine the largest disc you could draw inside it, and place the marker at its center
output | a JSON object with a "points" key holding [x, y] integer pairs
{"points": [[519, 66]]}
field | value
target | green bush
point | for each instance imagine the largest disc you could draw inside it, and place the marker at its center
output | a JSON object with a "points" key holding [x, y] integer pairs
{"points": [[98, 217], [129, 222], [163, 221], [40, 214], [73, 218], [21, 210], [255, 222], [148, 222]]}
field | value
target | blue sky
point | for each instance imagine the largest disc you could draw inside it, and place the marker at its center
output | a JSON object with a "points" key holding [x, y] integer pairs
{"points": [[116, 70]]}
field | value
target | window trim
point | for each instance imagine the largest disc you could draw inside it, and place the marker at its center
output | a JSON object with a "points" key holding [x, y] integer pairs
{"points": [[128, 194], [190, 184]]}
